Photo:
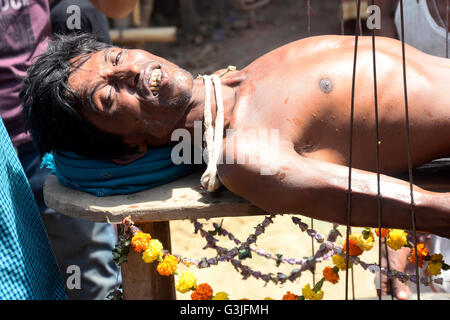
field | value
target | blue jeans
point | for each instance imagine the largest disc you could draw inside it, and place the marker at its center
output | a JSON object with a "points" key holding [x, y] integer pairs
{"points": [[83, 244]]}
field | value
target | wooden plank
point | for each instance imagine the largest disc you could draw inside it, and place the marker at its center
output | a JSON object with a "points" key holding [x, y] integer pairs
{"points": [[154, 34], [178, 200]]}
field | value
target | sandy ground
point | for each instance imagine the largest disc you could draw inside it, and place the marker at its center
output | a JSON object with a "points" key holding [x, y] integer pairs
{"points": [[277, 24]]}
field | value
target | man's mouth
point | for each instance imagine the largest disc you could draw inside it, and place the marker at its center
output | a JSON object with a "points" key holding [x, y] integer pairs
{"points": [[155, 81], [153, 78]]}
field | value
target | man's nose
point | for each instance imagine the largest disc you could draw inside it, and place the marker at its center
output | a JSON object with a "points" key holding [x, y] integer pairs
{"points": [[127, 74]]}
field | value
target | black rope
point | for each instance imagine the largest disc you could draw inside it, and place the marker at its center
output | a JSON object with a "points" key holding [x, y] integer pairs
{"points": [[446, 33], [379, 197], [308, 14], [358, 20], [350, 160], [413, 214], [388, 267], [377, 143]]}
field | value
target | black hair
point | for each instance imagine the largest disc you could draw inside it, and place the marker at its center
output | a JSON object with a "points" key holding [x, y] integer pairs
{"points": [[52, 109]]}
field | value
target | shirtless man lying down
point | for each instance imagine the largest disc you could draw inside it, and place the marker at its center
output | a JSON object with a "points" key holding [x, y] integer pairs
{"points": [[111, 102]]}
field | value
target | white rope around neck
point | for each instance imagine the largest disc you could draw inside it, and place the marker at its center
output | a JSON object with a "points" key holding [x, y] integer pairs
{"points": [[213, 136]]}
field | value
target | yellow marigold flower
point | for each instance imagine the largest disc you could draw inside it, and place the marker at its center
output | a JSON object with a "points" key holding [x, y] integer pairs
{"points": [[168, 265], [397, 239], [340, 262], [186, 282], [140, 241], [268, 298], [153, 251], [290, 296], [435, 264], [364, 244], [221, 295], [309, 294], [330, 275]]}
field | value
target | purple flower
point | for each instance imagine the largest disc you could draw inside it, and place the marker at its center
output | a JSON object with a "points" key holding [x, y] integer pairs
{"points": [[329, 245], [319, 238], [266, 222], [265, 277], [373, 268], [311, 232]]}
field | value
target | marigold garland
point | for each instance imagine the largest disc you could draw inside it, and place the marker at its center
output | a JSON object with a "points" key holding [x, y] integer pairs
{"points": [[152, 250], [364, 240], [187, 282], [340, 261], [422, 253], [384, 232], [221, 295], [435, 264], [311, 294], [168, 265], [202, 292], [140, 241], [331, 274], [354, 248], [290, 296], [397, 239]]}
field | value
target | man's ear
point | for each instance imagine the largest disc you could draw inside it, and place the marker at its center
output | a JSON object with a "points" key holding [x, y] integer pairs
{"points": [[128, 158]]}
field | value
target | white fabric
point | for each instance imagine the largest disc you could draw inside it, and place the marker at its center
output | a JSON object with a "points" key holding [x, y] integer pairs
{"points": [[423, 33]]}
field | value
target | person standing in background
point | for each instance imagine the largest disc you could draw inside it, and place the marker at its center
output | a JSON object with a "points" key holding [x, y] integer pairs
{"points": [[26, 27]]}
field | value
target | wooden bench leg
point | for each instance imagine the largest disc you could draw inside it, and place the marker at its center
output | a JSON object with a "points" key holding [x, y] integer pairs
{"points": [[140, 280]]}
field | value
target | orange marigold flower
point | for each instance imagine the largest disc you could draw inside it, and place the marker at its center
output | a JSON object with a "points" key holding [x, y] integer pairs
{"points": [[422, 252], [140, 241], [202, 292], [290, 296], [354, 249], [330, 275], [168, 266], [384, 232]]}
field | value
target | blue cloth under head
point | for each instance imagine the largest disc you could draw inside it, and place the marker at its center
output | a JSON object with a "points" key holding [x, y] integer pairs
{"points": [[103, 177]]}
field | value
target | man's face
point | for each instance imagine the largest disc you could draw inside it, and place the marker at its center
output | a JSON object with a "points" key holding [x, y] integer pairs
{"points": [[132, 93]]}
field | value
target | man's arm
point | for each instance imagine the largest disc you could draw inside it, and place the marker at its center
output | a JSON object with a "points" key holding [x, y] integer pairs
{"points": [[115, 8], [318, 189]]}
